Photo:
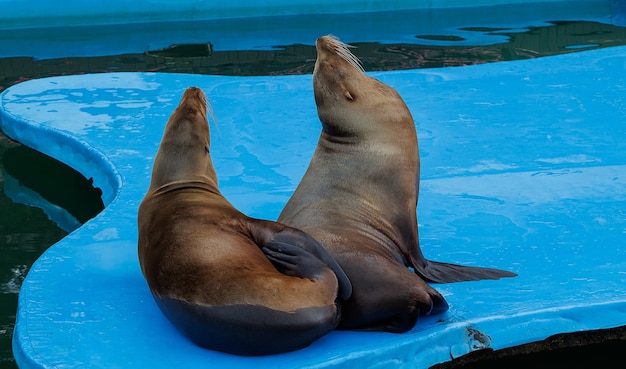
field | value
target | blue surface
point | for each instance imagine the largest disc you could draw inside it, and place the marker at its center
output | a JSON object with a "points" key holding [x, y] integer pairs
{"points": [[523, 168]]}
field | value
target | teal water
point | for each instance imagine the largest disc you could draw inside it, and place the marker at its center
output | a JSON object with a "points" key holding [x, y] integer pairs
{"points": [[26, 231]]}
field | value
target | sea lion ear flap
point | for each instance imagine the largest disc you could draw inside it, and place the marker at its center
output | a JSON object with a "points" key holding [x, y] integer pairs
{"points": [[348, 95]]}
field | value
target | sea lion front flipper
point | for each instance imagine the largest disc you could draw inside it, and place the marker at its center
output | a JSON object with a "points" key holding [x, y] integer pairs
{"points": [[266, 232], [292, 260], [301, 239], [438, 272]]}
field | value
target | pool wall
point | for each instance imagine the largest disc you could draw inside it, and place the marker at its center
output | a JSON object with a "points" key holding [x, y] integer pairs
{"points": [[42, 13], [267, 33]]}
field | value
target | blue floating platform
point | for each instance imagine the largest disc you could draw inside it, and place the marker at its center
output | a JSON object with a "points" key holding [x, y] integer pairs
{"points": [[523, 168]]}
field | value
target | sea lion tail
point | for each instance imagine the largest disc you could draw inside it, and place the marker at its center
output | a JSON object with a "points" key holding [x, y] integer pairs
{"points": [[438, 272]]}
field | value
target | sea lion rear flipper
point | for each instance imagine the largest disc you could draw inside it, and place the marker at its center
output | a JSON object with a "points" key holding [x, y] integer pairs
{"points": [[438, 272]]}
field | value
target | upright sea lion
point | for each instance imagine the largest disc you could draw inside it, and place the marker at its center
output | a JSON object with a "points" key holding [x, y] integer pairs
{"points": [[228, 282], [358, 197]]}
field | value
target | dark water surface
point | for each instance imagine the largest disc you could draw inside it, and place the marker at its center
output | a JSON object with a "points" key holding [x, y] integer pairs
{"points": [[69, 199]]}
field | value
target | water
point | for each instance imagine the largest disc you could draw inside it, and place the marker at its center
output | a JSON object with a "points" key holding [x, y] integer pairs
{"points": [[26, 231], [28, 177]]}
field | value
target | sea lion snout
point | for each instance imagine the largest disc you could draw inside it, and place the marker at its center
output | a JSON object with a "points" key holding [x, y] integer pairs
{"points": [[196, 93], [336, 63], [194, 101], [331, 48]]}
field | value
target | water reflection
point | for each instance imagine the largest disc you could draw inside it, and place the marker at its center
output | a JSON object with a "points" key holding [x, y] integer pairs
{"points": [[57, 185], [200, 58]]}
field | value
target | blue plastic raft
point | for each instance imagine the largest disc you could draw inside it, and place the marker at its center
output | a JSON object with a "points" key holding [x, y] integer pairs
{"points": [[523, 168]]}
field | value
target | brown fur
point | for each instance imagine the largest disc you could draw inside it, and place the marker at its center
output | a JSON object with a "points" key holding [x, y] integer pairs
{"points": [[199, 254], [359, 195]]}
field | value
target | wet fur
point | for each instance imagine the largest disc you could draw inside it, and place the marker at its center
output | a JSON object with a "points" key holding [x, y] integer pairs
{"points": [[358, 198], [228, 282]]}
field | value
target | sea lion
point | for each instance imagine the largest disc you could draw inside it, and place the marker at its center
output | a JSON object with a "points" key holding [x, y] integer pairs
{"points": [[227, 281], [358, 197]]}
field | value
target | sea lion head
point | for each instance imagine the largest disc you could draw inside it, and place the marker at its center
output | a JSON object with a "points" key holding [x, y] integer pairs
{"points": [[350, 103], [184, 154]]}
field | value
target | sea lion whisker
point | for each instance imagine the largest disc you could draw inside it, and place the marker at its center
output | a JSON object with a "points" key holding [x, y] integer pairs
{"points": [[352, 59], [343, 50], [211, 114]]}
